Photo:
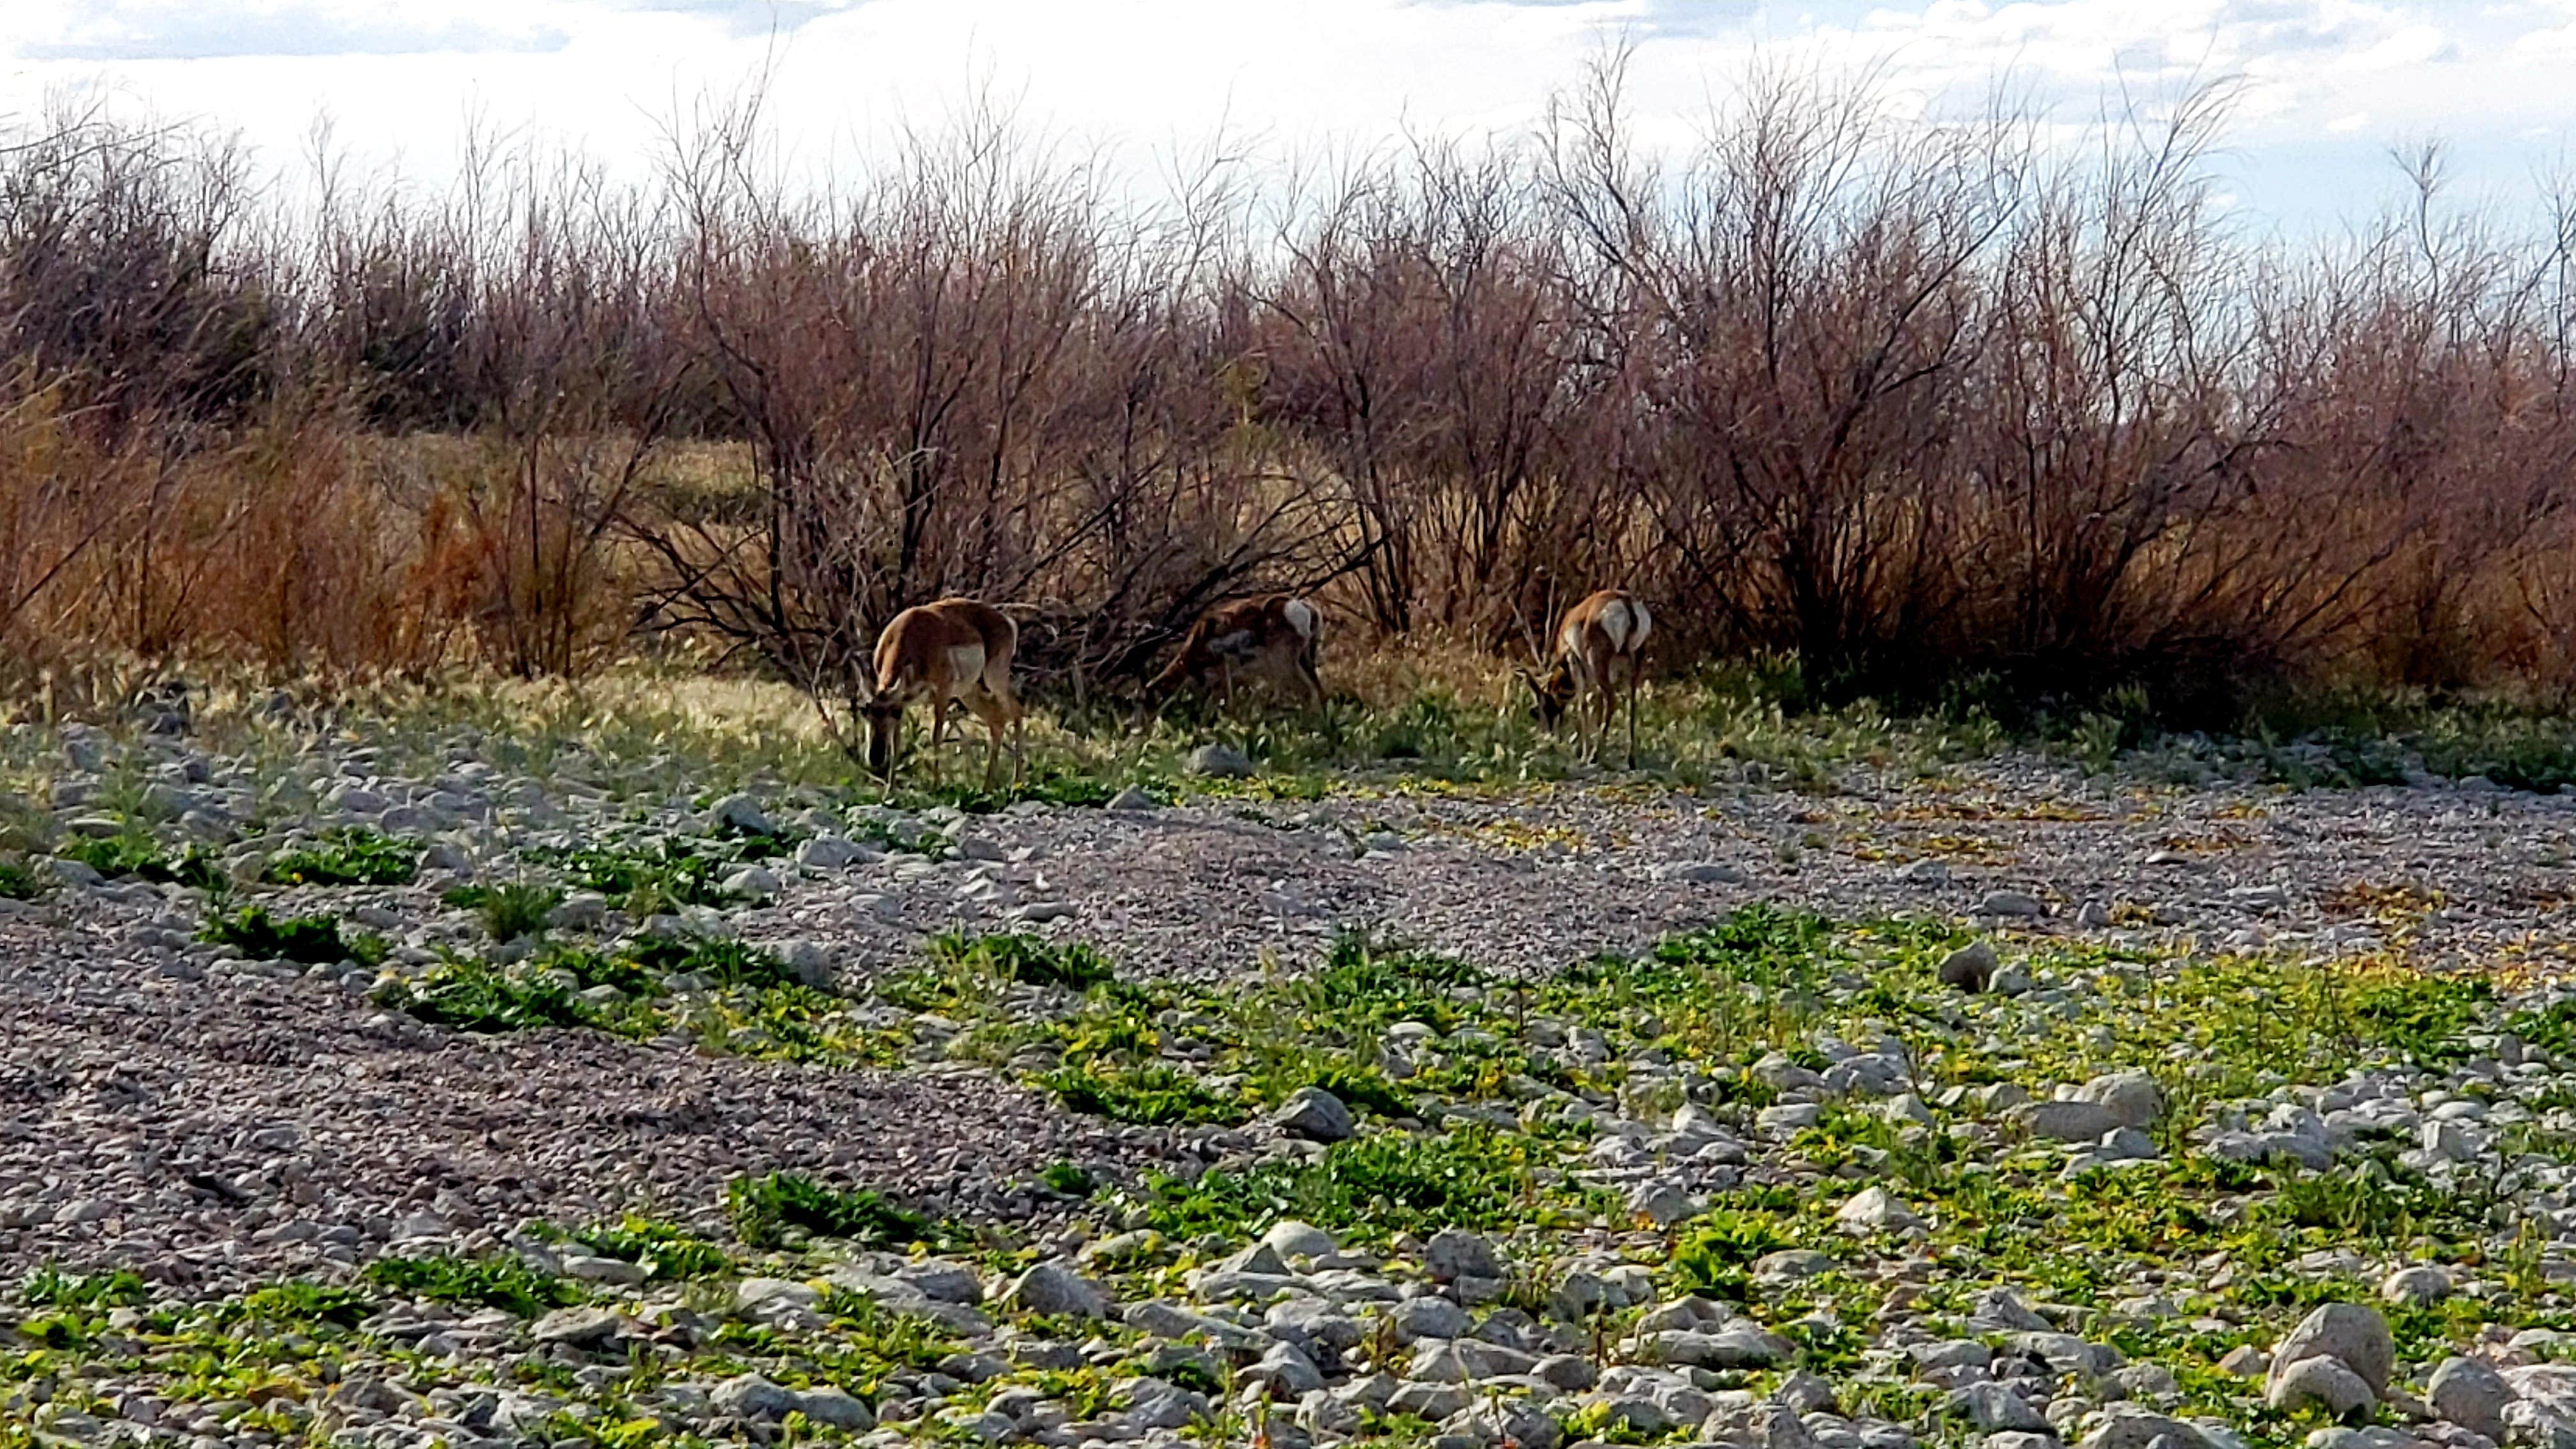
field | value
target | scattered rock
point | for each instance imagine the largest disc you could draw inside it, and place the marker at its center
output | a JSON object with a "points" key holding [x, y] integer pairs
{"points": [[1314, 1113], [2353, 1334], [2470, 1393], [2320, 1381], [1054, 1288], [1221, 762], [1970, 968]]}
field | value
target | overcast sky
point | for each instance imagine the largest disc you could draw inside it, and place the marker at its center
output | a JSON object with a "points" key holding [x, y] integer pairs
{"points": [[2329, 85]]}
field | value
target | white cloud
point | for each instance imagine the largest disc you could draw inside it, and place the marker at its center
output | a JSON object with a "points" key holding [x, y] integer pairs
{"points": [[1132, 77], [130, 30]]}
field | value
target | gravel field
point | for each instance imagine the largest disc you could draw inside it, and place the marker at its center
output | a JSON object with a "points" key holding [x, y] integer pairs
{"points": [[1798, 1186]]}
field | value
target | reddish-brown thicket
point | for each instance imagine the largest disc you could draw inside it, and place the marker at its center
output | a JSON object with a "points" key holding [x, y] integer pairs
{"points": [[1922, 406]]}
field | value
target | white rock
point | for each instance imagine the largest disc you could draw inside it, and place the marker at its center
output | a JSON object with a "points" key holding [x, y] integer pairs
{"points": [[1876, 1210], [2421, 1284], [2352, 1333]]}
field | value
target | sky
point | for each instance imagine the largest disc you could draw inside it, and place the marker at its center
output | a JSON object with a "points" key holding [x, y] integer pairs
{"points": [[2326, 87]]}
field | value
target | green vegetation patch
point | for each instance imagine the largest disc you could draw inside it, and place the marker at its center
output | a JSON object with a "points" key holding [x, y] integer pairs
{"points": [[310, 940], [143, 857], [353, 855], [664, 1250], [1471, 1176], [766, 1210], [505, 1283], [1028, 960], [476, 997]]}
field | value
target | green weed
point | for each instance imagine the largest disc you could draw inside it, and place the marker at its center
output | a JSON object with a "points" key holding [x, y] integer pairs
{"points": [[766, 1209], [1028, 960], [353, 855], [310, 940], [505, 1283], [472, 996]]}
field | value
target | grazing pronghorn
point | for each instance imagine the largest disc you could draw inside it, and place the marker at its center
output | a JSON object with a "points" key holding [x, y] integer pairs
{"points": [[1599, 644], [1271, 637], [950, 650]]}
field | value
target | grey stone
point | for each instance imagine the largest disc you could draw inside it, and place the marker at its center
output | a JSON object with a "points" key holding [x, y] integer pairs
{"points": [[836, 1409], [1993, 1406], [2320, 1381], [1054, 1288], [1452, 1254], [2126, 1426], [2351, 1333], [749, 1396], [1283, 1372], [2246, 1362], [579, 911], [765, 1297], [1570, 1372], [1661, 1201], [1220, 761], [1739, 1345], [2418, 1285], [831, 852], [1703, 872], [614, 1271], [577, 1327], [2133, 1098], [1876, 1210], [741, 815], [2011, 903], [2066, 1121], [753, 882], [1290, 1238], [2470, 1393], [809, 961], [1429, 1401], [1507, 1421], [1971, 968], [1131, 798], [1419, 1318], [1312, 1112], [942, 1280]]}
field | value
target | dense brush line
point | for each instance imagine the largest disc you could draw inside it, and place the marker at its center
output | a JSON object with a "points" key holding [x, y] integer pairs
{"points": [[1927, 408]]}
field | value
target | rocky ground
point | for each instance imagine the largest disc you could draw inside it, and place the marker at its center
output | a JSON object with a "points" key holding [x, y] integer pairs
{"points": [[358, 1091]]}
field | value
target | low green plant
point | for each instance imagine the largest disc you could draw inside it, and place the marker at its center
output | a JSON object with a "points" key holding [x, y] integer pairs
{"points": [[50, 1287], [643, 881], [353, 855], [1712, 1254], [310, 940], [1151, 1094], [505, 1283], [1029, 960], [1068, 1178], [142, 856], [1473, 1177], [515, 908], [476, 997], [727, 963], [662, 1249], [302, 1301], [766, 1209], [20, 880]]}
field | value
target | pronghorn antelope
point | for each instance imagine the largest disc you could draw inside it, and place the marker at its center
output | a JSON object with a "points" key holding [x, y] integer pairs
{"points": [[1270, 637], [950, 650], [1598, 647]]}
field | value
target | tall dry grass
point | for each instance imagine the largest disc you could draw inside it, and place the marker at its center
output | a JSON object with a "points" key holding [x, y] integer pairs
{"points": [[1927, 408]]}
